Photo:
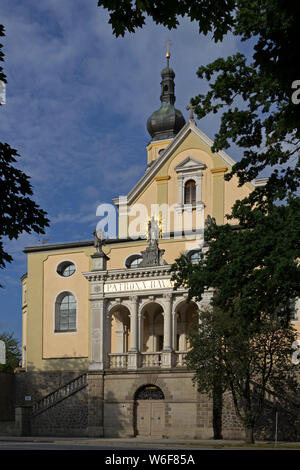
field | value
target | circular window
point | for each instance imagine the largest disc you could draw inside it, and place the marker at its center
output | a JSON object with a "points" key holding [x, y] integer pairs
{"points": [[133, 261], [66, 269]]}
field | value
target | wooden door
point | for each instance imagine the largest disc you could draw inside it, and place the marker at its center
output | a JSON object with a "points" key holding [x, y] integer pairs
{"points": [[157, 418], [143, 418], [150, 418]]}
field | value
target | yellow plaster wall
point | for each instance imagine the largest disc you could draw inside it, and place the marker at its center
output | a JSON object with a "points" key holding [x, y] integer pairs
{"points": [[24, 319], [118, 253], [173, 247], [154, 147], [217, 194], [64, 344], [233, 193], [148, 197], [42, 286]]}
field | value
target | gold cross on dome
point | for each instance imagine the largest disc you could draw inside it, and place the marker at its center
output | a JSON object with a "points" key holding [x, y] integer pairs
{"points": [[168, 54], [191, 108]]}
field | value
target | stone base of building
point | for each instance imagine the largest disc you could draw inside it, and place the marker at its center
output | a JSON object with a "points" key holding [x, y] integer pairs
{"points": [[154, 404]]}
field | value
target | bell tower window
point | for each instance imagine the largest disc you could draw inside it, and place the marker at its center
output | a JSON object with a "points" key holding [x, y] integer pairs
{"points": [[190, 192], [189, 181]]}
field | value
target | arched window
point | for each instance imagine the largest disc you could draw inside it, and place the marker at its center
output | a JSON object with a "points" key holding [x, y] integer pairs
{"points": [[190, 192], [65, 312], [149, 392]]}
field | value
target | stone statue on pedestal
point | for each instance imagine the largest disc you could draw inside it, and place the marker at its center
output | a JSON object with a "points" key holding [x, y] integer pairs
{"points": [[152, 256]]}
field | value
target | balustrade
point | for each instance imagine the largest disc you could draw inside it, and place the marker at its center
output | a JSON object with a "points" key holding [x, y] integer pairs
{"points": [[147, 359]]}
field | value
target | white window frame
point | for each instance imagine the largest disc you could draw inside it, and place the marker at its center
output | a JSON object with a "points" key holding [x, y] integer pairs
{"points": [[189, 169], [55, 307]]}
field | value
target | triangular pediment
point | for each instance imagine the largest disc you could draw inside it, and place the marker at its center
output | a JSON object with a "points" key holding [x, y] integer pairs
{"points": [[188, 164]]}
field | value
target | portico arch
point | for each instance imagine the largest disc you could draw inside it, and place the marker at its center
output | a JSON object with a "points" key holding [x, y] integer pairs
{"points": [[185, 317], [152, 327], [119, 329]]}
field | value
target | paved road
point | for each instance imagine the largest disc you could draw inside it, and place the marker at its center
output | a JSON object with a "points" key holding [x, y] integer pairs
{"points": [[73, 446]]}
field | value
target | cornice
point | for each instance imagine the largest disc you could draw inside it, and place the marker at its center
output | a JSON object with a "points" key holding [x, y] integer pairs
{"points": [[152, 272]]}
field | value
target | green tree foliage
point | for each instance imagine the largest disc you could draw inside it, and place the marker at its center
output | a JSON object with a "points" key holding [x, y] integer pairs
{"points": [[254, 272], [18, 212], [249, 366], [13, 352]]}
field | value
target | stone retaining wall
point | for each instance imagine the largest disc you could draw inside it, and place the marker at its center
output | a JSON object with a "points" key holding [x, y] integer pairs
{"points": [[106, 407], [7, 397]]}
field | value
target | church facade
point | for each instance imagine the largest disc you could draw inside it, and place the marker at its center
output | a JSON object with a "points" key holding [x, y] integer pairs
{"points": [[105, 334]]}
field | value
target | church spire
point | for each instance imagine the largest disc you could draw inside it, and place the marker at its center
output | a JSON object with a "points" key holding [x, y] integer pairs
{"points": [[168, 55], [167, 121], [167, 83]]}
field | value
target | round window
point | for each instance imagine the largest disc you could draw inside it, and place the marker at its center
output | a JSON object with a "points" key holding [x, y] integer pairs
{"points": [[133, 261], [66, 269]]}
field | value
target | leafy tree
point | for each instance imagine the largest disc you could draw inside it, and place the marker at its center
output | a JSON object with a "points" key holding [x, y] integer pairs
{"points": [[248, 365], [254, 272], [254, 275], [18, 212], [13, 352]]}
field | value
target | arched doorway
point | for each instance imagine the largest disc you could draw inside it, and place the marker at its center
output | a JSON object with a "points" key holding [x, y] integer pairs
{"points": [[149, 411]]}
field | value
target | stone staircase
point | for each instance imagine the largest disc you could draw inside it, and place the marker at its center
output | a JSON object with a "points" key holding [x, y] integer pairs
{"points": [[59, 394]]}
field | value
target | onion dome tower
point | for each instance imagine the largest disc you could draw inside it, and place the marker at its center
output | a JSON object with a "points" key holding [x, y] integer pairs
{"points": [[167, 121]]}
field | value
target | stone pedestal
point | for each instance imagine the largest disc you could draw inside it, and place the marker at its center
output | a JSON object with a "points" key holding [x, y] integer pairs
{"points": [[166, 359], [99, 261], [133, 361]]}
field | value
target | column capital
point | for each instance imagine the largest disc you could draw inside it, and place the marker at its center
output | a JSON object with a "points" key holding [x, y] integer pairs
{"points": [[168, 296]]}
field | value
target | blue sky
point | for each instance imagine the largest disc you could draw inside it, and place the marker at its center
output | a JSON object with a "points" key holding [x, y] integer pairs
{"points": [[77, 102]]}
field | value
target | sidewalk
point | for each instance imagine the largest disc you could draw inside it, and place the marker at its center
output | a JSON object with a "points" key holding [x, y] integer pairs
{"points": [[163, 443]]}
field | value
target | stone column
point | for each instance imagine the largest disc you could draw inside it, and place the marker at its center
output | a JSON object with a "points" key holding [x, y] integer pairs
{"points": [[133, 356], [140, 331], [134, 324], [168, 322], [98, 323], [167, 351]]}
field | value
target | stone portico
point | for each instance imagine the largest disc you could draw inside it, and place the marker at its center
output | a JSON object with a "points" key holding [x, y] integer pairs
{"points": [[137, 320]]}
